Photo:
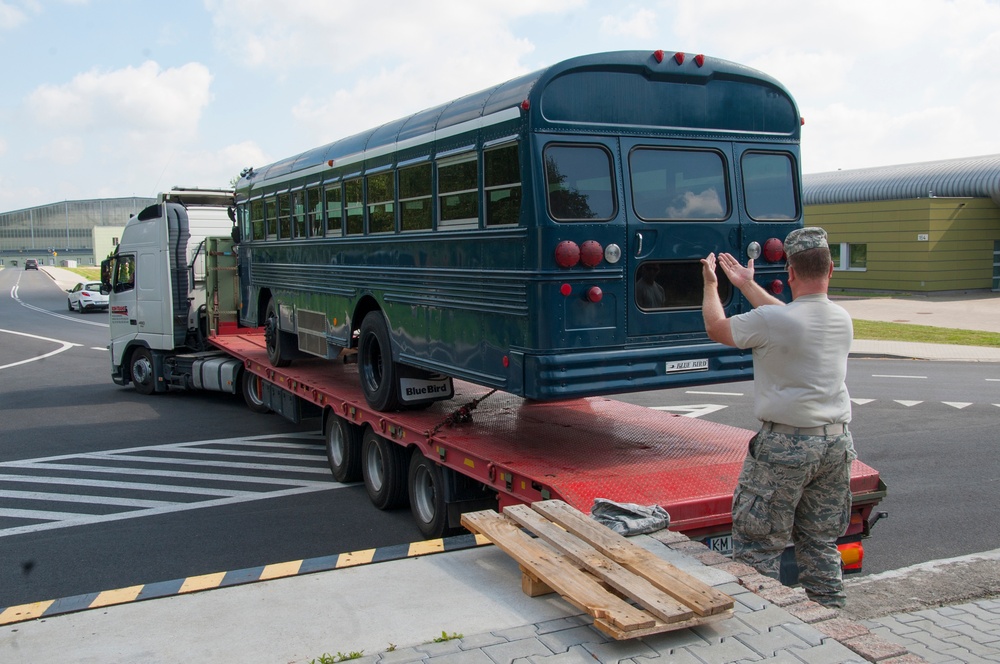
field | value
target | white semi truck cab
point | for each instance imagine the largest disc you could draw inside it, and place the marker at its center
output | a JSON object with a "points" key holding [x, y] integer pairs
{"points": [[163, 303]]}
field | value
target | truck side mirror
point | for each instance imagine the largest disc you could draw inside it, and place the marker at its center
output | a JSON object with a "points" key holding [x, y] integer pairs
{"points": [[106, 276]]}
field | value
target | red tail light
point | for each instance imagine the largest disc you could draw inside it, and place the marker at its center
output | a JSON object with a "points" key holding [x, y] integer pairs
{"points": [[591, 253], [774, 250], [852, 556], [777, 287], [594, 294], [85, 293], [567, 254]]}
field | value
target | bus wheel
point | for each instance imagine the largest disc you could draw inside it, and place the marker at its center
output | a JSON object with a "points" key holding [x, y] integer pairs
{"points": [[343, 448], [383, 466], [375, 366], [275, 340], [252, 388], [427, 502], [141, 367]]}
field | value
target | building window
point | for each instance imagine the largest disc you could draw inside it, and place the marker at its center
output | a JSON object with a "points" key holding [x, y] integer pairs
{"points": [[847, 256]]}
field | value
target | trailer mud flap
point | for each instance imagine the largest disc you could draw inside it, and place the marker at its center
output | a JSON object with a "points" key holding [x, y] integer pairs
{"points": [[287, 404]]}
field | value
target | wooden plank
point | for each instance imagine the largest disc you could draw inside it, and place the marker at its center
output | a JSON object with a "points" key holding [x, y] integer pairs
{"points": [[701, 597], [551, 568], [636, 588]]}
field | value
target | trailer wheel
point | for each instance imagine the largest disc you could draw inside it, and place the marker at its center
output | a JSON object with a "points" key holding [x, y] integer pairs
{"points": [[427, 502], [275, 340], [141, 368], [383, 466], [375, 366], [343, 449], [252, 388]]}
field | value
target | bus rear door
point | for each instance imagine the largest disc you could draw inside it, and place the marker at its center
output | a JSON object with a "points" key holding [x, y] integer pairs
{"points": [[681, 206]]}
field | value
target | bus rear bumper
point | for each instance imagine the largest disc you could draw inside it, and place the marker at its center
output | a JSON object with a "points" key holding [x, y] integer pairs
{"points": [[580, 374]]}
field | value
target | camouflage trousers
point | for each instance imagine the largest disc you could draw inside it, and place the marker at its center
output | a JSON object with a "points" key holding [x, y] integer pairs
{"points": [[795, 489]]}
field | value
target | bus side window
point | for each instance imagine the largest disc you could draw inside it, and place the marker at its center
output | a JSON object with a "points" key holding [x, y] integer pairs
{"points": [[502, 173], [334, 210], [415, 190], [314, 211], [580, 184], [271, 218], [354, 205], [458, 193], [284, 217]]}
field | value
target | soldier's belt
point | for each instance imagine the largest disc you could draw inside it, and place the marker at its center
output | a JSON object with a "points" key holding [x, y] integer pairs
{"points": [[826, 430]]}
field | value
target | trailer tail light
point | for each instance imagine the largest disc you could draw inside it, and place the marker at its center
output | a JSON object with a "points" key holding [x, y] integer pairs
{"points": [[594, 294], [567, 254], [591, 253], [774, 250], [777, 287], [852, 555]]}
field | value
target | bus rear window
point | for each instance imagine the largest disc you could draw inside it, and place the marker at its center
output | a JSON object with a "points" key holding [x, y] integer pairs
{"points": [[580, 183], [769, 184], [678, 185], [661, 285]]}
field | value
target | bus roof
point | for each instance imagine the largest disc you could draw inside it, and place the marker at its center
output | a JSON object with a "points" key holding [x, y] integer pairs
{"points": [[578, 83]]}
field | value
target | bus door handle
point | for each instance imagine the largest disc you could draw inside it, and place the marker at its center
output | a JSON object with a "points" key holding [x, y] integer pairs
{"points": [[638, 244]]}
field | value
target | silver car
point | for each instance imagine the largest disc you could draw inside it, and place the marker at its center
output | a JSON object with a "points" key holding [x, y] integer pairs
{"points": [[86, 296]]}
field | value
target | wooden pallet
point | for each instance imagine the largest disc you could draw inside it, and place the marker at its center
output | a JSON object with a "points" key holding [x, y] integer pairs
{"points": [[626, 589]]}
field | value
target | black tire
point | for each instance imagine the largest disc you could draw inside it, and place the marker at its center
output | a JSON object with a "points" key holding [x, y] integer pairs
{"points": [[69, 304], [275, 339], [379, 378], [427, 503], [142, 372], [343, 448], [383, 467], [251, 387]]}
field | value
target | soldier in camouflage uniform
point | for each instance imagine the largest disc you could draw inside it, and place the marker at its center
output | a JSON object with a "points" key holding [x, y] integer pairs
{"points": [[795, 482]]}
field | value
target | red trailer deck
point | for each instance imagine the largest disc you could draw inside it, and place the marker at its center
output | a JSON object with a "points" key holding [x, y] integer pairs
{"points": [[575, 450]]}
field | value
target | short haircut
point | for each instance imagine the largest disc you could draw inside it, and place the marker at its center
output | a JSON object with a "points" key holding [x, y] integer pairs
{"points": [[812, 263]]}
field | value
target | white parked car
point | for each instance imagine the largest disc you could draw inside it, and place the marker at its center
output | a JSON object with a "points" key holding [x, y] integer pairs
{"points": [[86, 296]]}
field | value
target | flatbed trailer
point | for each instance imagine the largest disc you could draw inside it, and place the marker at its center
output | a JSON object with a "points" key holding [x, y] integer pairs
{"points": [[518, 451]]}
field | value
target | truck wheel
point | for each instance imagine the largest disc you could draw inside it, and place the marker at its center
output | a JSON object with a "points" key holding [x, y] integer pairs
{"points": [[375, 366], [141, 368], [343, 449], [252, 388], [383, 466], [274, 338], [427, 503]]}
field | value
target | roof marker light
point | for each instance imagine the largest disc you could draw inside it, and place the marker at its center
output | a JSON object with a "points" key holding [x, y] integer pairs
{"points": [[699, 60], [658, 54], [329, 162], [802, 122], [525, 105], [679, 57]]}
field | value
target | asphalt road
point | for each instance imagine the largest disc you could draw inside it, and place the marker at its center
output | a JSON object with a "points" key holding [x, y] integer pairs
{"points": [[928, 427]]}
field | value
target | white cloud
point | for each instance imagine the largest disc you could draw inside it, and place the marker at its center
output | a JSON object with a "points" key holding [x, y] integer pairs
{"points": [[638, 24], [143, 100], [11, 16]]}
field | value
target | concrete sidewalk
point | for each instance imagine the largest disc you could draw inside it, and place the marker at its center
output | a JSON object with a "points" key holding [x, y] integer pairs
{"points": [[467, 607]]}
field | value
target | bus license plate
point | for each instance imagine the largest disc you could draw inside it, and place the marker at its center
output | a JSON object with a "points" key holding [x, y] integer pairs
{"points": [[722, 544], [687, 365]]}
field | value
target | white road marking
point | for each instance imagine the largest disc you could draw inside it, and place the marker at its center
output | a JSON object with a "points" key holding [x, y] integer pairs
{"points": [[908, 403], [13, 294], [693, 410], [957, 404], [721, 394], [862, 402], [257, 479], [66, 345], [897, 376]]}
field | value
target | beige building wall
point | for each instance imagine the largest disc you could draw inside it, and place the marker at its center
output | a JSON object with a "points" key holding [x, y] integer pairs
{"points": [[105, 240], [919, 245]]}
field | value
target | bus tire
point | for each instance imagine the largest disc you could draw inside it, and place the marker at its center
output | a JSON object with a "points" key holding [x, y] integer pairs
{"points": [[142, 371], [252, 388], [275, 340], [427, 497], [379, 378], [383, 467], [343, 448]]}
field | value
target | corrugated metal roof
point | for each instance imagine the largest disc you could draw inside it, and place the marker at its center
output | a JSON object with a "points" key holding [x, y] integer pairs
{"points": [[975, 177]]}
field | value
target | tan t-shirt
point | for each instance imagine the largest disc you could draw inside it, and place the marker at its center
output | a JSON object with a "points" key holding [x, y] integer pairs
{"points": [[800, 360]]}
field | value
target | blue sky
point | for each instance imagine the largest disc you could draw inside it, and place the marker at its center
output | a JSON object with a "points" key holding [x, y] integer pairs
{"points": [[106, 98]]}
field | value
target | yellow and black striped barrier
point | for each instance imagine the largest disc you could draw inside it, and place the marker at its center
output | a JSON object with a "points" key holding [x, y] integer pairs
{"points": [[161, 589]]}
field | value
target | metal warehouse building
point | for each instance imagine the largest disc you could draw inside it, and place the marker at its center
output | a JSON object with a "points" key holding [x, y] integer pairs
{"points": [[926, 227], [63, 231]]}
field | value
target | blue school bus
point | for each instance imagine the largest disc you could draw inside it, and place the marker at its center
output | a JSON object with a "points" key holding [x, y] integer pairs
{"points": [[541, 237]]}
